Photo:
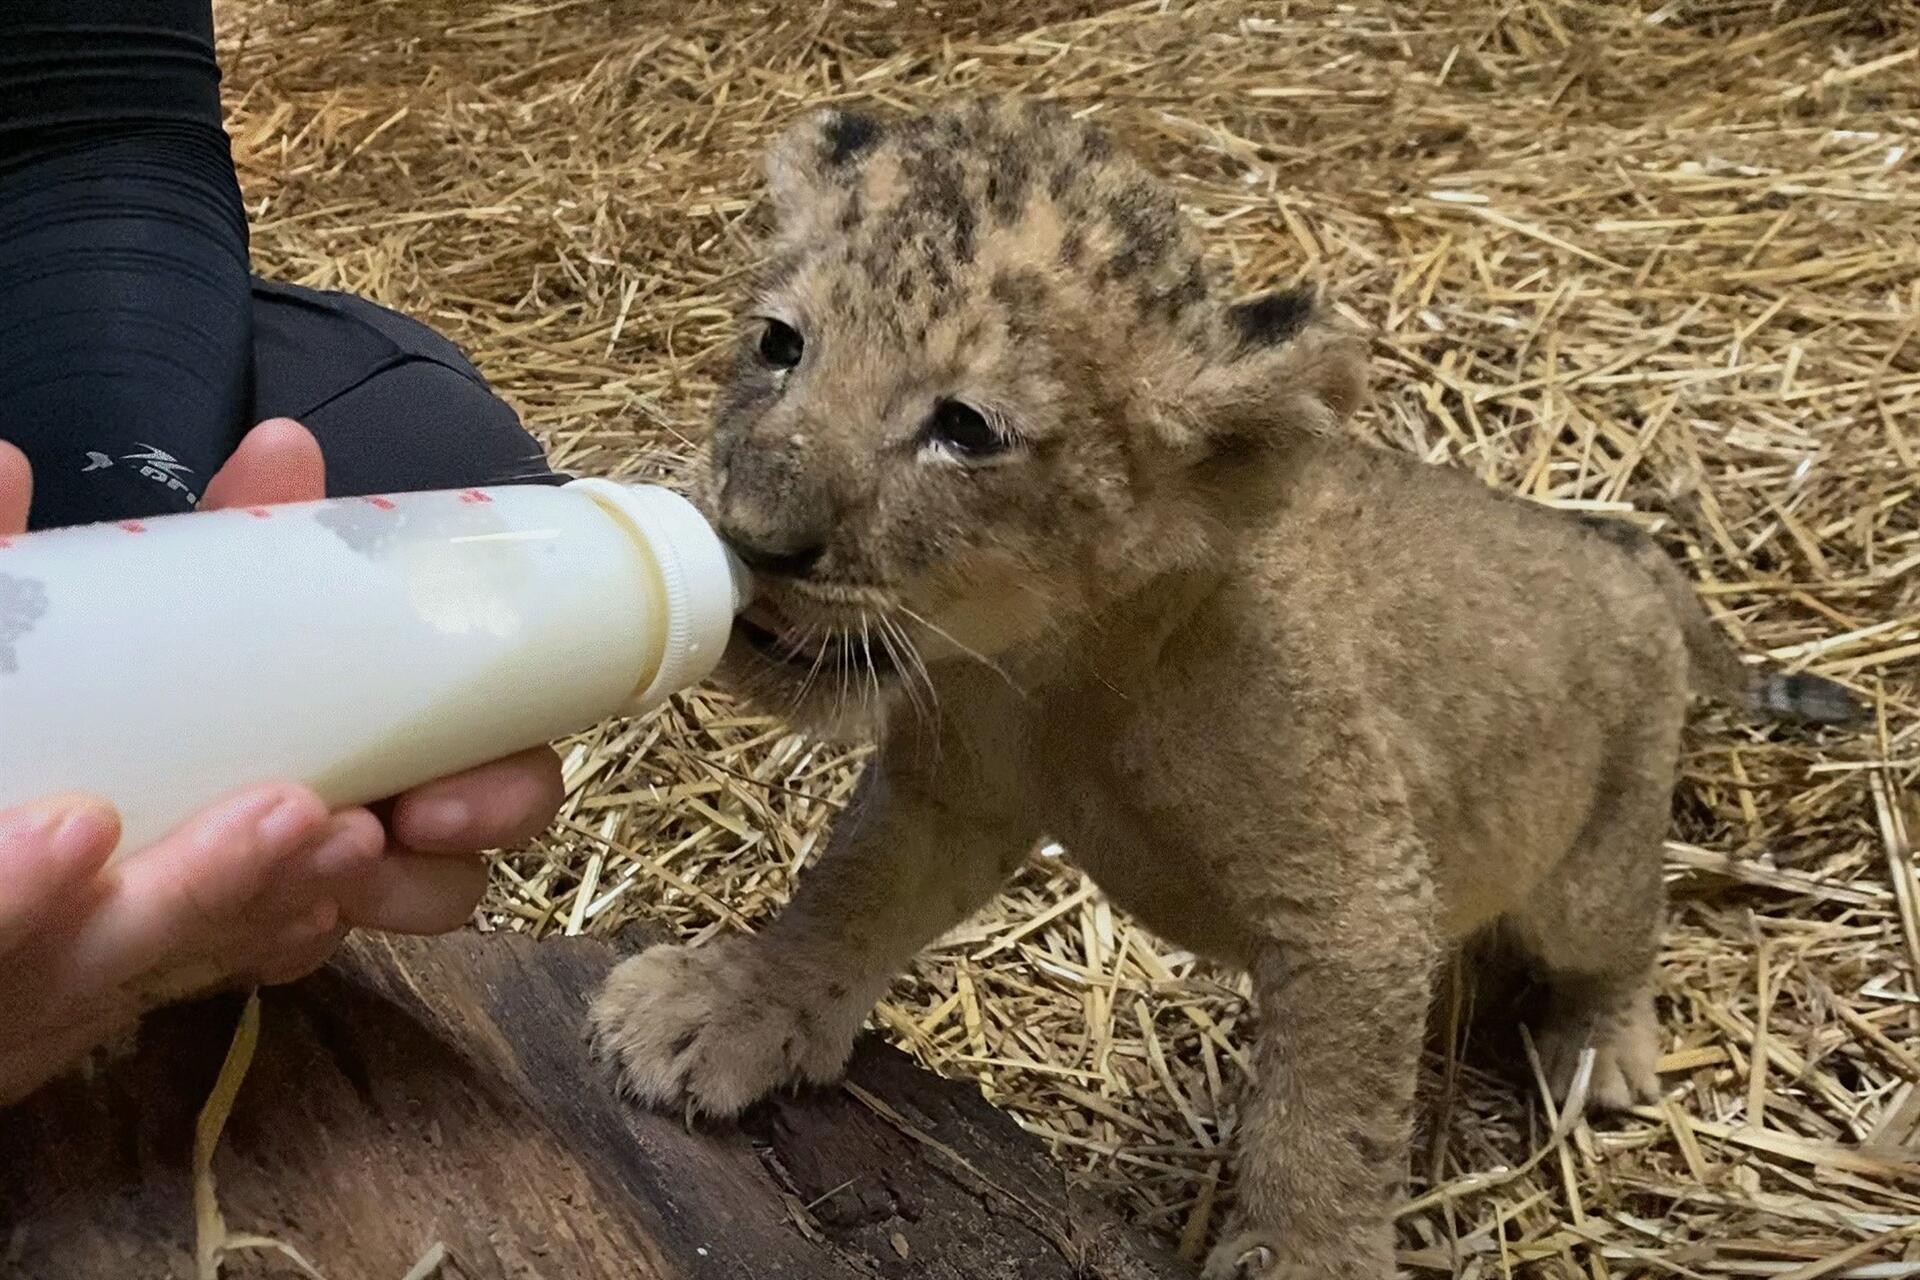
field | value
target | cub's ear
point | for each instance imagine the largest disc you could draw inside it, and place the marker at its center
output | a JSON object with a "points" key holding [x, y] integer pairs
{"points": [[1282, 365], [815, 162], [1272, 318]]}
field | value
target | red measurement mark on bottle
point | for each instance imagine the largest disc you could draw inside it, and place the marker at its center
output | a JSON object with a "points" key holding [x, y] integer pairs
{"points": [[385, 504], [474, 495], [133, 526], [260, 513]]}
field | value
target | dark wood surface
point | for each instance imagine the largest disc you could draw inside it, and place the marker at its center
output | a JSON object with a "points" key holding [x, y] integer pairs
{"points": [[438, 1091]]}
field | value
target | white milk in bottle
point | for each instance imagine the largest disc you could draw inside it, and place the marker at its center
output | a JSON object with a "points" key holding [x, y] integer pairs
{"points": [[360, 645]]}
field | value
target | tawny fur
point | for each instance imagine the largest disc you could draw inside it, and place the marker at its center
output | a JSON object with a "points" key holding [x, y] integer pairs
{"points": [[1300, 704]]}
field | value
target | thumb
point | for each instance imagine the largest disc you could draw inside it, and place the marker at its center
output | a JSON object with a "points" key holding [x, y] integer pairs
{"points": [[279, 461], [16, 490]]}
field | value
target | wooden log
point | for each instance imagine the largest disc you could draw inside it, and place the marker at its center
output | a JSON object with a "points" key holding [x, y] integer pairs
{"points": [[438, 1092]]}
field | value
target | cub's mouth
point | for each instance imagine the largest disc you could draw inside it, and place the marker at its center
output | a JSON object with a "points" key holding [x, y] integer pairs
{"points": [[814, 647]]}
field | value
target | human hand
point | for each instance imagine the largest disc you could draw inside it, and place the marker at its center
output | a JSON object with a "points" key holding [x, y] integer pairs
{"points": [[258, 887]]}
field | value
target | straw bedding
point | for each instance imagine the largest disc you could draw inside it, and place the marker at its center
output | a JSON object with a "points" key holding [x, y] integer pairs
{"points": [[1661, 259]]}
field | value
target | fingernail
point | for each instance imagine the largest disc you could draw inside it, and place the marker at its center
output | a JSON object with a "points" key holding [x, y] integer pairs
{"points": [[286, 824], [442, 819], [341, 851], [85, 831]]}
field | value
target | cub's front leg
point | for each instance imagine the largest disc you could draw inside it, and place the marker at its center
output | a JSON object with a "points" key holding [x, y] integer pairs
{"points": [[713, 1029], [1342, 981]]}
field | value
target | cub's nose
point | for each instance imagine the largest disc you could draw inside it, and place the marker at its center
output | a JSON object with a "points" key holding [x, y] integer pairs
{"points": [[795, 557], [775, 511]]}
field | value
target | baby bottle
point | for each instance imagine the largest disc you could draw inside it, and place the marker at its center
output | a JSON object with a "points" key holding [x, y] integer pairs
{"points": [[360, 646]]}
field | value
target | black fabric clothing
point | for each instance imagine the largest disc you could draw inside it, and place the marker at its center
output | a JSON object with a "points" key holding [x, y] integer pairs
{"points": [[395, 406], [125, 329], [135, 347], [74, 68]]}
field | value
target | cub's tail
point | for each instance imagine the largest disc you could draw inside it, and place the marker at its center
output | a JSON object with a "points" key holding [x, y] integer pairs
{"points": [[1716, 669]]}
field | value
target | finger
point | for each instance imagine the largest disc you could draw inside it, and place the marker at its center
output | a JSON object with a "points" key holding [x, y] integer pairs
{"points": [[299, 955], [293, 949], [16, 490], [278, 461], [186, 896], [421, 893], [494, 806], [49, 851], [280, 929], [345, 849]]}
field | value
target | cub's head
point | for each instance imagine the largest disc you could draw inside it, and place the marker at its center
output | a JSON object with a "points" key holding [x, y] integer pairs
{"points": [[987, 387]]}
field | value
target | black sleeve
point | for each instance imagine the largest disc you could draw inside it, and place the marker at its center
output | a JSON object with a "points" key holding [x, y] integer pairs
{"points": [[125, 317]]}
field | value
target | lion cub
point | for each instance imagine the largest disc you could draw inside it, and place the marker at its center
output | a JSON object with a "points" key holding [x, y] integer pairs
{"points": [[1084, 541]]}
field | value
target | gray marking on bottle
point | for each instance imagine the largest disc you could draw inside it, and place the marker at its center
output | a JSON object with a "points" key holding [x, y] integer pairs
{"points": [[23, 602], [366, 527]]}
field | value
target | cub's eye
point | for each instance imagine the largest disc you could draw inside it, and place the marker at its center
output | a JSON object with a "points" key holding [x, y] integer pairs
{"points": [[781, 345], [965, 430]]}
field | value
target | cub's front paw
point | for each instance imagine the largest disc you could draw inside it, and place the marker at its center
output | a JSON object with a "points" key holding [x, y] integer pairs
{"points": [[1251, 1255], [712, 1030]]}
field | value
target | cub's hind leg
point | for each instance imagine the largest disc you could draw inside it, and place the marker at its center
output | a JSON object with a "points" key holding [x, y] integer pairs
{"points": [[1592, 928]]}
